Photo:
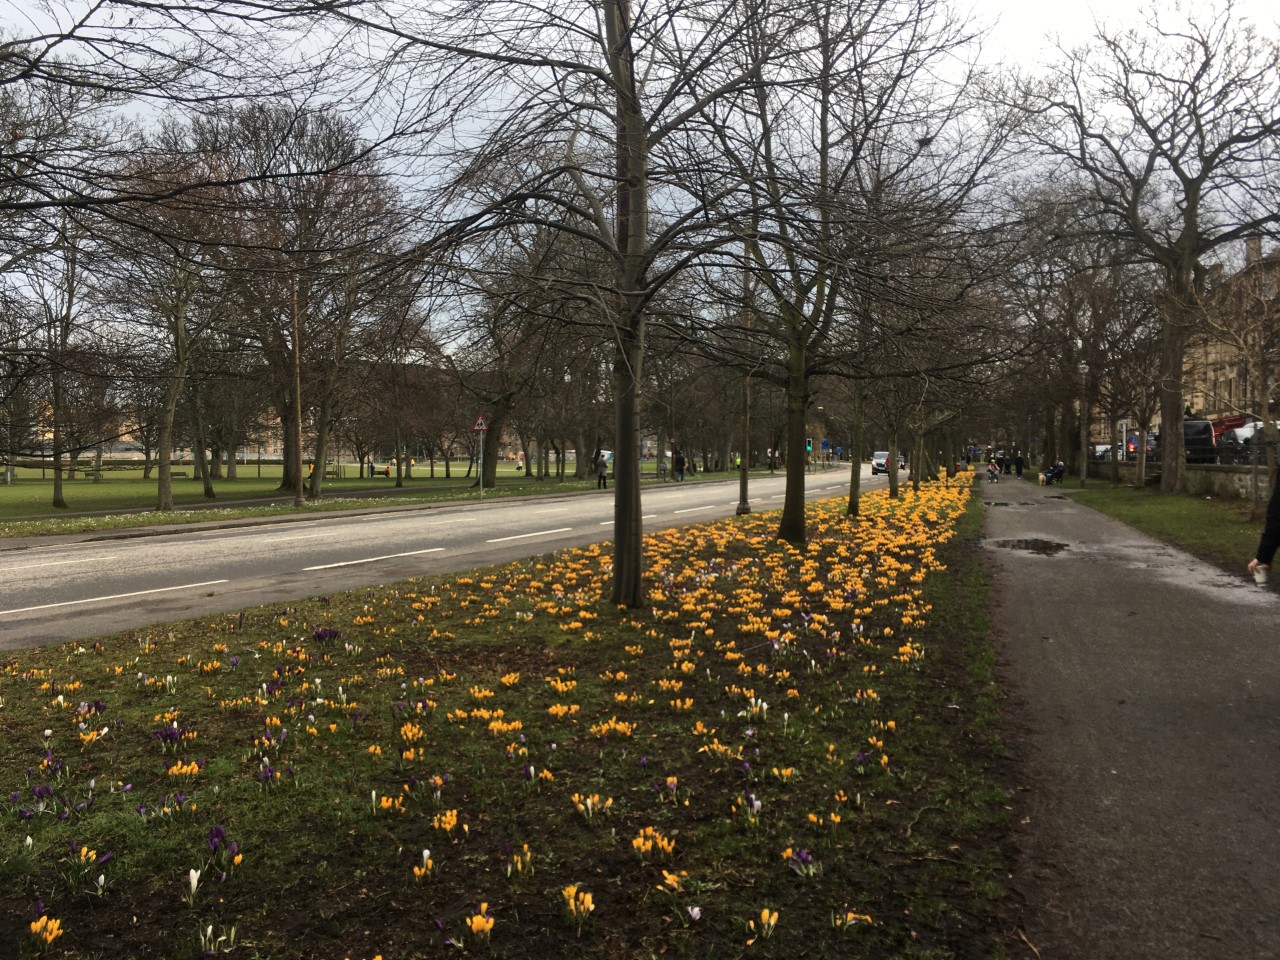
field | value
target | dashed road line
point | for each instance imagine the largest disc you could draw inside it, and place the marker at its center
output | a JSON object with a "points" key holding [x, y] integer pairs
{"points": [[524, 536], [117, 596], [389, 556], [59, 563]]}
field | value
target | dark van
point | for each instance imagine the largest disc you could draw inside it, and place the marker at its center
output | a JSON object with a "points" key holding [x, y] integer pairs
{"points": [[1198, 441]]}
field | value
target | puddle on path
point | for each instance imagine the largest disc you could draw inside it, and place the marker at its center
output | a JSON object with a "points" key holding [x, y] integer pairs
{"points": [[1044, 548]]}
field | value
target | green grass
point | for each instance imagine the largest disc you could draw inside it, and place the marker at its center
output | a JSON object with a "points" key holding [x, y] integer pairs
{"points": [[122, 487], [1219, 531], [764, 690]]}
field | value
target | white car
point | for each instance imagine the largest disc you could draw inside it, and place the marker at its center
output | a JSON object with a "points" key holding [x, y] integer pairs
{"points": [[880, 462]]}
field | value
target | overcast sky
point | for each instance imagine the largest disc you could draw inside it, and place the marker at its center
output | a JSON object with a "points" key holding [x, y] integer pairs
{"points": [[1019, 36]]}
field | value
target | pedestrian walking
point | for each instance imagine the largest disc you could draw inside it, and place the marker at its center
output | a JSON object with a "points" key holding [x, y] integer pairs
{"points": [[1260, 565], [678, 465], [602, 472]]}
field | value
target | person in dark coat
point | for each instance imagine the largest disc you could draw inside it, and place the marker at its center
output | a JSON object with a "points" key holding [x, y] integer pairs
{"points": [[1270, 540]]}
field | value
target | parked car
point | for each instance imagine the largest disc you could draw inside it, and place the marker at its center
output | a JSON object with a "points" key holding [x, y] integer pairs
{"points": [[1131, 446], [1198, 444], [1241, 444]]}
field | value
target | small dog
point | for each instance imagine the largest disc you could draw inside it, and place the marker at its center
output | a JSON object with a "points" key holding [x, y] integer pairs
{"points": [[1042, 479]]}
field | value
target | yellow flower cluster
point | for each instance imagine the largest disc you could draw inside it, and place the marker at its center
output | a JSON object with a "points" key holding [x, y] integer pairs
{"points": [[46, 929], [649, 840]]}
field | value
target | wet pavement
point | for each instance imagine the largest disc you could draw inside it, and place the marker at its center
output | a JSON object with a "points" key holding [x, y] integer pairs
{"points": [[1144, 721]]}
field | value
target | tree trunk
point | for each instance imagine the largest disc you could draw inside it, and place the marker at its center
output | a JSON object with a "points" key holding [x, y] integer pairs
{"points": [[59, 501], [324, 416], [919, 461], [492, 442], [1144, 428], [581, 468], [891, 462], [198, 447], [855, 453], [1173, 348], [164, 445], [628, 528], [1085, 447], [791, 525], [291, 465]]}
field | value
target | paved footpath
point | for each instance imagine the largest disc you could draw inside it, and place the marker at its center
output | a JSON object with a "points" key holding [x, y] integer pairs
{"points": [[1144, 721]]}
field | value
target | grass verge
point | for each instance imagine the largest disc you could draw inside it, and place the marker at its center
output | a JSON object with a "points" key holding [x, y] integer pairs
{"points": [[791, 752], [1218, 531]]}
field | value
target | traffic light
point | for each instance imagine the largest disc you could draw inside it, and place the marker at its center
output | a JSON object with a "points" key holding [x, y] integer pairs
{"points": [[808, 445]]}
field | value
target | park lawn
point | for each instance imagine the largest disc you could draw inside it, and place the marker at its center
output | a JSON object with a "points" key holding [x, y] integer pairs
{"points": [[789, 752], [25, 509], [123, 488], [1217, 530]]}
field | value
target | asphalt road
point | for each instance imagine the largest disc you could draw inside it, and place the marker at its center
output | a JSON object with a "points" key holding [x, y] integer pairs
{"points": [[1144, 721], [97, 584]]}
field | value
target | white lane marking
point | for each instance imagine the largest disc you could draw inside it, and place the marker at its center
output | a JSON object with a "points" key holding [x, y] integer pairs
{"points": [[522, 536], [606, 523], [709, 506], [58, 563], [300, 536], [117, 596], [777, 496], [389, 556]]}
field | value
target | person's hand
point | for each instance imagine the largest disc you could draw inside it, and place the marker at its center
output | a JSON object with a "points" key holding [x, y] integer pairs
{"points": [[1254, 565]]}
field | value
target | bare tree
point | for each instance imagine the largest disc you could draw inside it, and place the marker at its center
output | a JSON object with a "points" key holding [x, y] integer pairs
{"points": [[615, 100], [1174, 128], [861, 156]]}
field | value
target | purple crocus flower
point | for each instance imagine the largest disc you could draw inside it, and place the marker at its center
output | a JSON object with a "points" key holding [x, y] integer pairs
{"points": [[217, 836]]}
